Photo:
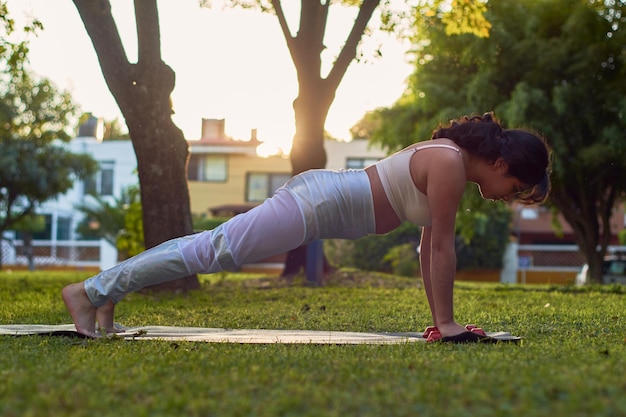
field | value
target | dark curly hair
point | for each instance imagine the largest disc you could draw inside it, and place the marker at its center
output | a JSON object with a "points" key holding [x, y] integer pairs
{"points": [[526, 153]]}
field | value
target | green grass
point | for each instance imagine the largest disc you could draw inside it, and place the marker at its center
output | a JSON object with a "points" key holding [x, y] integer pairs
{"points": [[570, 363]]}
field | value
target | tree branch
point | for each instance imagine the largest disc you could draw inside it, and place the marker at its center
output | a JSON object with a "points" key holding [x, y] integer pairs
{"points": [[307, 46], [284, 27], [148, 32], [100, 25], [348, 52]]}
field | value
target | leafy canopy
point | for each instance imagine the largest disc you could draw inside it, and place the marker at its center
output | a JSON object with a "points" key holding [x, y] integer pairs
{"points": [[559, 70], [34, 116]]}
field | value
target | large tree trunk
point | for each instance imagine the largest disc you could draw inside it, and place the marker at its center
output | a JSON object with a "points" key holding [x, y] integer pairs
{"points": [[588, 211], [307, 153], [142, 91], [316, 93]]}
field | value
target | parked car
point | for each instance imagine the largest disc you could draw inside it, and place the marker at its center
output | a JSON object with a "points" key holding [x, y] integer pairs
{"points": [[613, 271]]}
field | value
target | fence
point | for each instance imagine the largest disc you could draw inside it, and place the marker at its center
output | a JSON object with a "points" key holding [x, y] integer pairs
{"points": [[550, 257], [555, 257], [100, 254], [47, 254]]}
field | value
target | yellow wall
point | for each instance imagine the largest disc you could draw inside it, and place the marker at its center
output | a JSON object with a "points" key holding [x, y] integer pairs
{"points": [[204, 195]]}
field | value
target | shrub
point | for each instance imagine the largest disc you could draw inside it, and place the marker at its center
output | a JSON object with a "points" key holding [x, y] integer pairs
{"points": [[370, 253], [486, 248], [403, 259], [201, 222]]}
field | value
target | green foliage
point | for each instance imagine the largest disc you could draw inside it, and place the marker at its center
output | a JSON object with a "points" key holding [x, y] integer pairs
{"points": [[119, 222], [34, 117], [14, 52], [403, 260], [103, 220], [570, 362], [560, 70], [31, 174], [458, 16], [483, 219], [130, 239], [488, 239], [372, 253], [30, 224], [203, 222], [35, 110]]}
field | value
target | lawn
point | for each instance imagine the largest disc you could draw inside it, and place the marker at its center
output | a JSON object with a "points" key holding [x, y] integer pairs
{"points": [[571, 361]]}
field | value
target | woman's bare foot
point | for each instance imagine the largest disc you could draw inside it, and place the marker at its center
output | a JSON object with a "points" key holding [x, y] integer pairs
{"points": [[80, 308], [104, 317], [451, 329]]}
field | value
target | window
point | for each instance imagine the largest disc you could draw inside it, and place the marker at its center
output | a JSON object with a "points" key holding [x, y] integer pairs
{"points": [[63, 228], [359, 163], [616, 268], [211, 168], [102, 182], [261, 185], [106, 181], [215, 168]]}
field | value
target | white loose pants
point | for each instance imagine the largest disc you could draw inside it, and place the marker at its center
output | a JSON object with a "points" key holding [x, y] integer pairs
{"points": [[317, 204]]}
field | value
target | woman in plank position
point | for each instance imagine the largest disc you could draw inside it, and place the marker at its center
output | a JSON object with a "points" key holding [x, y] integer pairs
{"points": [[422, 184]]}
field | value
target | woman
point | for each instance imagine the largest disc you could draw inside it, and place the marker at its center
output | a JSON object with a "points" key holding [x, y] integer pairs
{"points": [[422, 184]]}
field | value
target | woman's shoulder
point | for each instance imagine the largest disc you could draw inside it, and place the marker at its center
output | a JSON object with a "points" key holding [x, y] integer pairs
{"points": [[441, 143]]}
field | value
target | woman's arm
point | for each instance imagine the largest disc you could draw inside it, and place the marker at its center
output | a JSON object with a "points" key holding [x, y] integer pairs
{"points": [[445, 184], [425, 245]]}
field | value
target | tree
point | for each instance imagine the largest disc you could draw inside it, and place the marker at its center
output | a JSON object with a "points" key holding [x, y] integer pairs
{"points": [[13, 53], [316, 92], [34, 164], [583, 90], [560, 70], [142, 91], [32, 173], [26, 226]]}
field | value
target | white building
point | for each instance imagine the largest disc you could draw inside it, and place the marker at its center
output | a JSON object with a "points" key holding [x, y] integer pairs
{"points": [[57, 244], [118, 170]]}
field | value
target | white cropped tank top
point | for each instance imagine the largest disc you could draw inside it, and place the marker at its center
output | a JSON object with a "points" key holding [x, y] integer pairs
{"points": [[409, 203]]}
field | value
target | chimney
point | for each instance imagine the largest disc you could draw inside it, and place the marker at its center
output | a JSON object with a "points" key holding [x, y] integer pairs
{"points": [[213, 128], [92, 127], [253, 137]]}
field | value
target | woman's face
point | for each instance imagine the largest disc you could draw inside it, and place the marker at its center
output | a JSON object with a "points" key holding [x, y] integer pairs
{"points": [[499, 185]]}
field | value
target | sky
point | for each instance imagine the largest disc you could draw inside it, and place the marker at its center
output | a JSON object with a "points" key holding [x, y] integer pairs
{"points": [[229, 63]]}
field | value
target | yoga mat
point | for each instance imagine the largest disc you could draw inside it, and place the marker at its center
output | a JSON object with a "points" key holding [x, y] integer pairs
{"points": [[217, 335]]}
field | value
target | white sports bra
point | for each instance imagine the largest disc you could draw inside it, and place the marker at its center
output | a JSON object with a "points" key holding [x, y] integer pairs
{"points": [[409, 203]]}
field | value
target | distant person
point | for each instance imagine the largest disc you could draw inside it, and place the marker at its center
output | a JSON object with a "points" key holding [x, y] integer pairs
{"points": [[422, 184]]}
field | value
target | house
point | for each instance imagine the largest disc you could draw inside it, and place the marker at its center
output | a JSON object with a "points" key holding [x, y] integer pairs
{"points": [[55, 246], [227, 177], [534, 226]]}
